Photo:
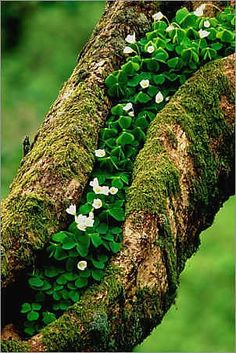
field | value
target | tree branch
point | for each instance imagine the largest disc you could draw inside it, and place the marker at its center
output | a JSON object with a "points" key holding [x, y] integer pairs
{"points": [[182, 176], [55, 171]]}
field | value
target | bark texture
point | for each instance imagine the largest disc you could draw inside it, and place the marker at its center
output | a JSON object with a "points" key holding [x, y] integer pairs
{"points": [[182, 176], [55, 171]]}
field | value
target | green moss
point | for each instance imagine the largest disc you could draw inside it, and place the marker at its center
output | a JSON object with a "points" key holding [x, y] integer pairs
{"points": [[152, 173], [14, 346], [62, 335], [166, 242], [90, 313], [66, 150], [28, 218], [204, 121], [196, 109], [69, 145], [172, 138], [99, 326], [150, 302], [140, 318]]}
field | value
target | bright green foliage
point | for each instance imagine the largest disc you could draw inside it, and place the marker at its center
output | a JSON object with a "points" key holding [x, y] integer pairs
{"points": [[162, 61]]}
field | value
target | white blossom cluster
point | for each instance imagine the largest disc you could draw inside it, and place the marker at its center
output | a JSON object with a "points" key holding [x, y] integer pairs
{"points": [[83, 221], [131, 39], [88, 221]]}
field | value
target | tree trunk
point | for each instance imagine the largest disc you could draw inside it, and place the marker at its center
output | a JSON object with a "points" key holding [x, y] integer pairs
{"points": [[181, 178], [55, 170], [54, 173]]}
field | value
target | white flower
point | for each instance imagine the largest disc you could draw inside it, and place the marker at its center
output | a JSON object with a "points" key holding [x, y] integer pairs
{"points": [[159, 98], [167, 99], [203, 34], [89, 222], [81, 222], [80, 218], [199, 11], [91, 215], [170, 28], [206, 24], [97, 189], [71, 210], [97, 203], [100, 153], [82, 265], [94, 182], [128, 50], [96, 186], [113, 190], [130, 38], [81, 227], [144, 83], [158, 16], [128, 107], [150, 49], [104, 190]]}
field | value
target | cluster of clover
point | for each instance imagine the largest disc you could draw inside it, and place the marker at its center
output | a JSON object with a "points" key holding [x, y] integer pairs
{"points": [[155, 67]]}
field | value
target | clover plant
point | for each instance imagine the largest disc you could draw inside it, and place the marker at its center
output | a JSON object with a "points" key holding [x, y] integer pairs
{"points": [[155, 67]]}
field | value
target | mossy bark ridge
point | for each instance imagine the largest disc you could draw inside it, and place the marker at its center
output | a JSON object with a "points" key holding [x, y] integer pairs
{"points": [[55, 171], [189, 175]]}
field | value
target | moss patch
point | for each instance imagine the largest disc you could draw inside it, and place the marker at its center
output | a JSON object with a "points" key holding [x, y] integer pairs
{"points": [[196, 108], [62, 153], [14, 346], [89, 315], [155, 178]]}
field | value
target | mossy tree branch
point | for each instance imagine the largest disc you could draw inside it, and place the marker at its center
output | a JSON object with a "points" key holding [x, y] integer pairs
{"points": [[182, 176], [55, 171]]}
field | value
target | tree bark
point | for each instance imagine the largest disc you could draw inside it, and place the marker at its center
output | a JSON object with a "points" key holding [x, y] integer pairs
{"points": [[55, 171], [181, 178]]}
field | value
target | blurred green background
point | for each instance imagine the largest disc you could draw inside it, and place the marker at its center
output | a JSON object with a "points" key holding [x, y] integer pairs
{"points": [[40, 44]]}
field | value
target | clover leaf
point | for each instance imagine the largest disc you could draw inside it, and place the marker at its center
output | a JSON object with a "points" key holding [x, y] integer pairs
{"points": [[117, 213], [32, 316], [48, 317]]}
